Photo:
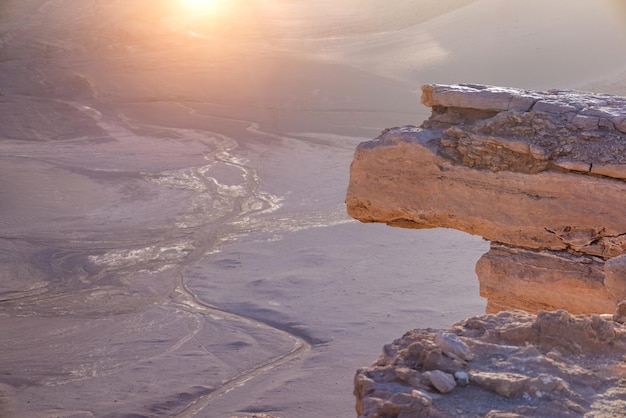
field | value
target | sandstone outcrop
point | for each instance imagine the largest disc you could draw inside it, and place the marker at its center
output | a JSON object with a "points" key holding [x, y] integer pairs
{"points": [[512, 364], [542, 175]]}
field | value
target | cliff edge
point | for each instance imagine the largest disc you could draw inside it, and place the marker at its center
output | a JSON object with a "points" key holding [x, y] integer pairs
{"points": [[540, 174]]}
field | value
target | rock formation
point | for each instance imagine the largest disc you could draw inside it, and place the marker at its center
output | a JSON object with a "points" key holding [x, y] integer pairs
{"points": [[512, 364], [542, 175]]}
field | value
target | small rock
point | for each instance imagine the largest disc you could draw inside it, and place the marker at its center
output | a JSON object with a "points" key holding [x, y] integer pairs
{"points": [[620, 312], [408, 375], [507, 384], [423, 397], [436, 359], [443, 382], [452, 346], [462, 378]]}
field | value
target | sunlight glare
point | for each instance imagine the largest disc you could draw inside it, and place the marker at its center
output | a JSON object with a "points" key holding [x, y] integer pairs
{"points": [[203, 7]]}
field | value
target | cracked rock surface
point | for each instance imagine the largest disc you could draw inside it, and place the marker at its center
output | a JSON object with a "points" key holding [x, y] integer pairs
{"points": [[540, 174], [513, 364]]}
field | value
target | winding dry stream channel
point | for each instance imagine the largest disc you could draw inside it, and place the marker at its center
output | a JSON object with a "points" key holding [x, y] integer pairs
{"points": [[173, 238]]}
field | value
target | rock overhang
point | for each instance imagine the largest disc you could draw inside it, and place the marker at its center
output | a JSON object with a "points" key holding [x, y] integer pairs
{"points": [[541, 173]]}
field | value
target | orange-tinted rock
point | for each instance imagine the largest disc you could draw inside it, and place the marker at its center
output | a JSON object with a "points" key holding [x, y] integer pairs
{"points": [[518, 278], [540, 172]]}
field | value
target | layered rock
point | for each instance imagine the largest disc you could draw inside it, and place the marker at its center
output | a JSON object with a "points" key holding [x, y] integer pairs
{"points": [[542, 175], [512, 364]]}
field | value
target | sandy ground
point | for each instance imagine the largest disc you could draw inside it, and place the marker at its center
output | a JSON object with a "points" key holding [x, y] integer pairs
{"points": [[173, 240]]}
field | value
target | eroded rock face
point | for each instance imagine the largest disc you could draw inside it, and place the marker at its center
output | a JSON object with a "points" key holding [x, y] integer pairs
{"points": [[512, 364], [518, 278], [540, 174]]}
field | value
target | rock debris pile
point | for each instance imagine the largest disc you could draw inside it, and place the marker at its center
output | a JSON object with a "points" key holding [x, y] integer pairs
{"points": [[542, 175], [513, 364]]}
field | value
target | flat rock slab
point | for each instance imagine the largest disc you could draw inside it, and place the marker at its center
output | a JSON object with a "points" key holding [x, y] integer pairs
{"points": [[514, 364]]}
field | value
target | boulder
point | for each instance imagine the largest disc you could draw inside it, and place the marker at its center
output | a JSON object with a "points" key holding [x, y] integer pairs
{"points": [[540, 174], [442, 381]]}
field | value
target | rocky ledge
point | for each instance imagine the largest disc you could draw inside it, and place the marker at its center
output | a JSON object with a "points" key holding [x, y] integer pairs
{"points": [[508, 365], [542, 175]]}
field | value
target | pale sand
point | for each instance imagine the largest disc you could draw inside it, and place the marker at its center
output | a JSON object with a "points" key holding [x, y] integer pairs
{"points": [[140, 171]]}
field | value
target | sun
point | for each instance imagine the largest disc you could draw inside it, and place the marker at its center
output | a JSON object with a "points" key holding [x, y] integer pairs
{"points": [[203, 7]]}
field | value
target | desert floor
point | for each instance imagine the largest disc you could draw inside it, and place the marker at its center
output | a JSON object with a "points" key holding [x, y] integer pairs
{"points": [[173, 238]]}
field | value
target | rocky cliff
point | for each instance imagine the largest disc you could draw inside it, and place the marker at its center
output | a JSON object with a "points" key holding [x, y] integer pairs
{"points": [[542, 175], [509, 365]]}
